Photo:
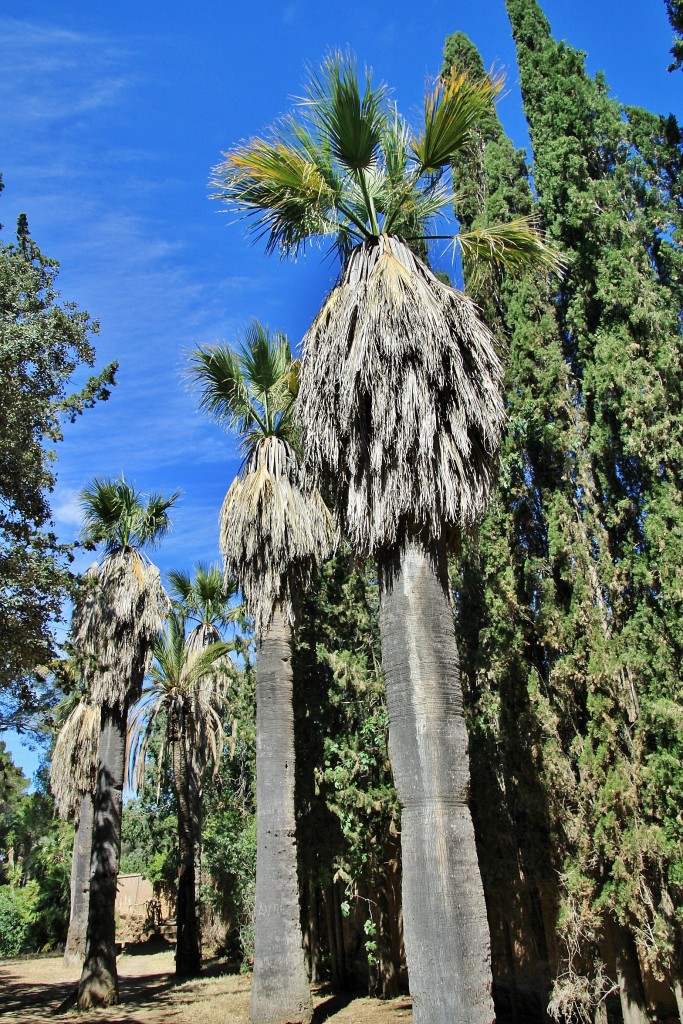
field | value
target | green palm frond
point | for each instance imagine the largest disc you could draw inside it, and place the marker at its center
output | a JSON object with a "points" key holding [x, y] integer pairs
{"points": [[345, 165], [285, 192], [114, 514], [186, 686], [352, 123], [205, 597], [514, 248], [251, 389], [452, 110], [217, 376]]}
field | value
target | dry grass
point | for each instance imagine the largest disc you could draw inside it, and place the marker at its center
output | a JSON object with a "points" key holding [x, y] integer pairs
{"points": [[32, 991]]}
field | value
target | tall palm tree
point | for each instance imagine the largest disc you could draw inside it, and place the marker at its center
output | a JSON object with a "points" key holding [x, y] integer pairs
{"points": [[272, 531], [116, 619], [401, 414], [187, 686], [73, 772]]}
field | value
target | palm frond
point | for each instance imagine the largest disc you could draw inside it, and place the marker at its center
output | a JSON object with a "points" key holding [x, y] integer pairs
{"points": [[281, 188], [273, 530], [400, 399], [514, 248], [216, 375], [351, 123], [187, 685], [452, 110], [117, 616], [113, 514]]}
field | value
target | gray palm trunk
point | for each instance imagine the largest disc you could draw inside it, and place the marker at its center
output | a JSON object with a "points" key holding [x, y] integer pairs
{"points": [[74, 949], [280, 991], [188, 947], [99, 981], [446, 930]]}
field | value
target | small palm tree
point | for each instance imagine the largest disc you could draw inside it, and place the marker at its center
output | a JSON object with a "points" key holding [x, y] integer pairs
{"points": [[186, 686], [117, 617], [272, 531], [205, 599], [73, 773], [401, 414]]}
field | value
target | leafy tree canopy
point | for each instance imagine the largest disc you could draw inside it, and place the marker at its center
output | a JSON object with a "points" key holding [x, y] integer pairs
{"points": [[44, 342]]}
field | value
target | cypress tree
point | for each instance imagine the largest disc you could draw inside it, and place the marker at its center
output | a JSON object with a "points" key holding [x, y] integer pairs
{"points": [[608, 196]]}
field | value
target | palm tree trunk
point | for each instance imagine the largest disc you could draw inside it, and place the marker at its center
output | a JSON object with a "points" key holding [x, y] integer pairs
{"points": [[195, 792], [446, 930], [279, 992], [188, 950], [74, 950], [99, 984]]}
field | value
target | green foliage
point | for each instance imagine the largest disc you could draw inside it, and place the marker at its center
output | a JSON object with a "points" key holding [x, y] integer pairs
{"points": [[35, 864], [674, 8], [569, 600], [229, 836], [349, 812], [44, 342], [149, 830], [18, 916]]}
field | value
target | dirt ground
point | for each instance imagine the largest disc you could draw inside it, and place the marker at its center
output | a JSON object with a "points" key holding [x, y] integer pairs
{"points": [[33, 990]]}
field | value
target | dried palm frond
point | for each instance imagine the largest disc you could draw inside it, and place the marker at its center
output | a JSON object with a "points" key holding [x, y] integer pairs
{"points": [[272, 530], [400, 403], [74, 759], [119, 614]]}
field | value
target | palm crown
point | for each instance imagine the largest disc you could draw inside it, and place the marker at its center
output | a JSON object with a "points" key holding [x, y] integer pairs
{"points": [[272, 528], [115, 515], [186, 686], [119, 612], [345, 164], [204, 598]]}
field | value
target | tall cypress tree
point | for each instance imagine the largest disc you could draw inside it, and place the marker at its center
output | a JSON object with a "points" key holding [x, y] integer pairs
{"points": [[523, 591], [608, 196]]}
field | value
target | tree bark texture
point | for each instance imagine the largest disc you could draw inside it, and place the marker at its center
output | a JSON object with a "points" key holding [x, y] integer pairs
{"points": [[445, 925], [74, 950], [629, 977], [280, 992], [188, 957], [677, 987], [99, 981]]}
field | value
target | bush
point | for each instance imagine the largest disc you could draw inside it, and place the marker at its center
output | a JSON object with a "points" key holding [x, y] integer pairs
{"points": [[18, 914]]}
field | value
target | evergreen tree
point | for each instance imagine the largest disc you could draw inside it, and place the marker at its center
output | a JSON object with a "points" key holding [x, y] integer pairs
{"points": [[674, 8], [608, 196], [43, 342]]}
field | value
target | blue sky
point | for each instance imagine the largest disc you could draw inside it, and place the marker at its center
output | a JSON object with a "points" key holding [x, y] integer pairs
{"points": [[111, 118]]}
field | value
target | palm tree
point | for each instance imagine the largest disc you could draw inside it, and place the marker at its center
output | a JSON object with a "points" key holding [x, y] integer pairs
{"points": [[186, 686], [117, 617], [204, 599], [73, 772], [401, 414], [272, 532]]}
